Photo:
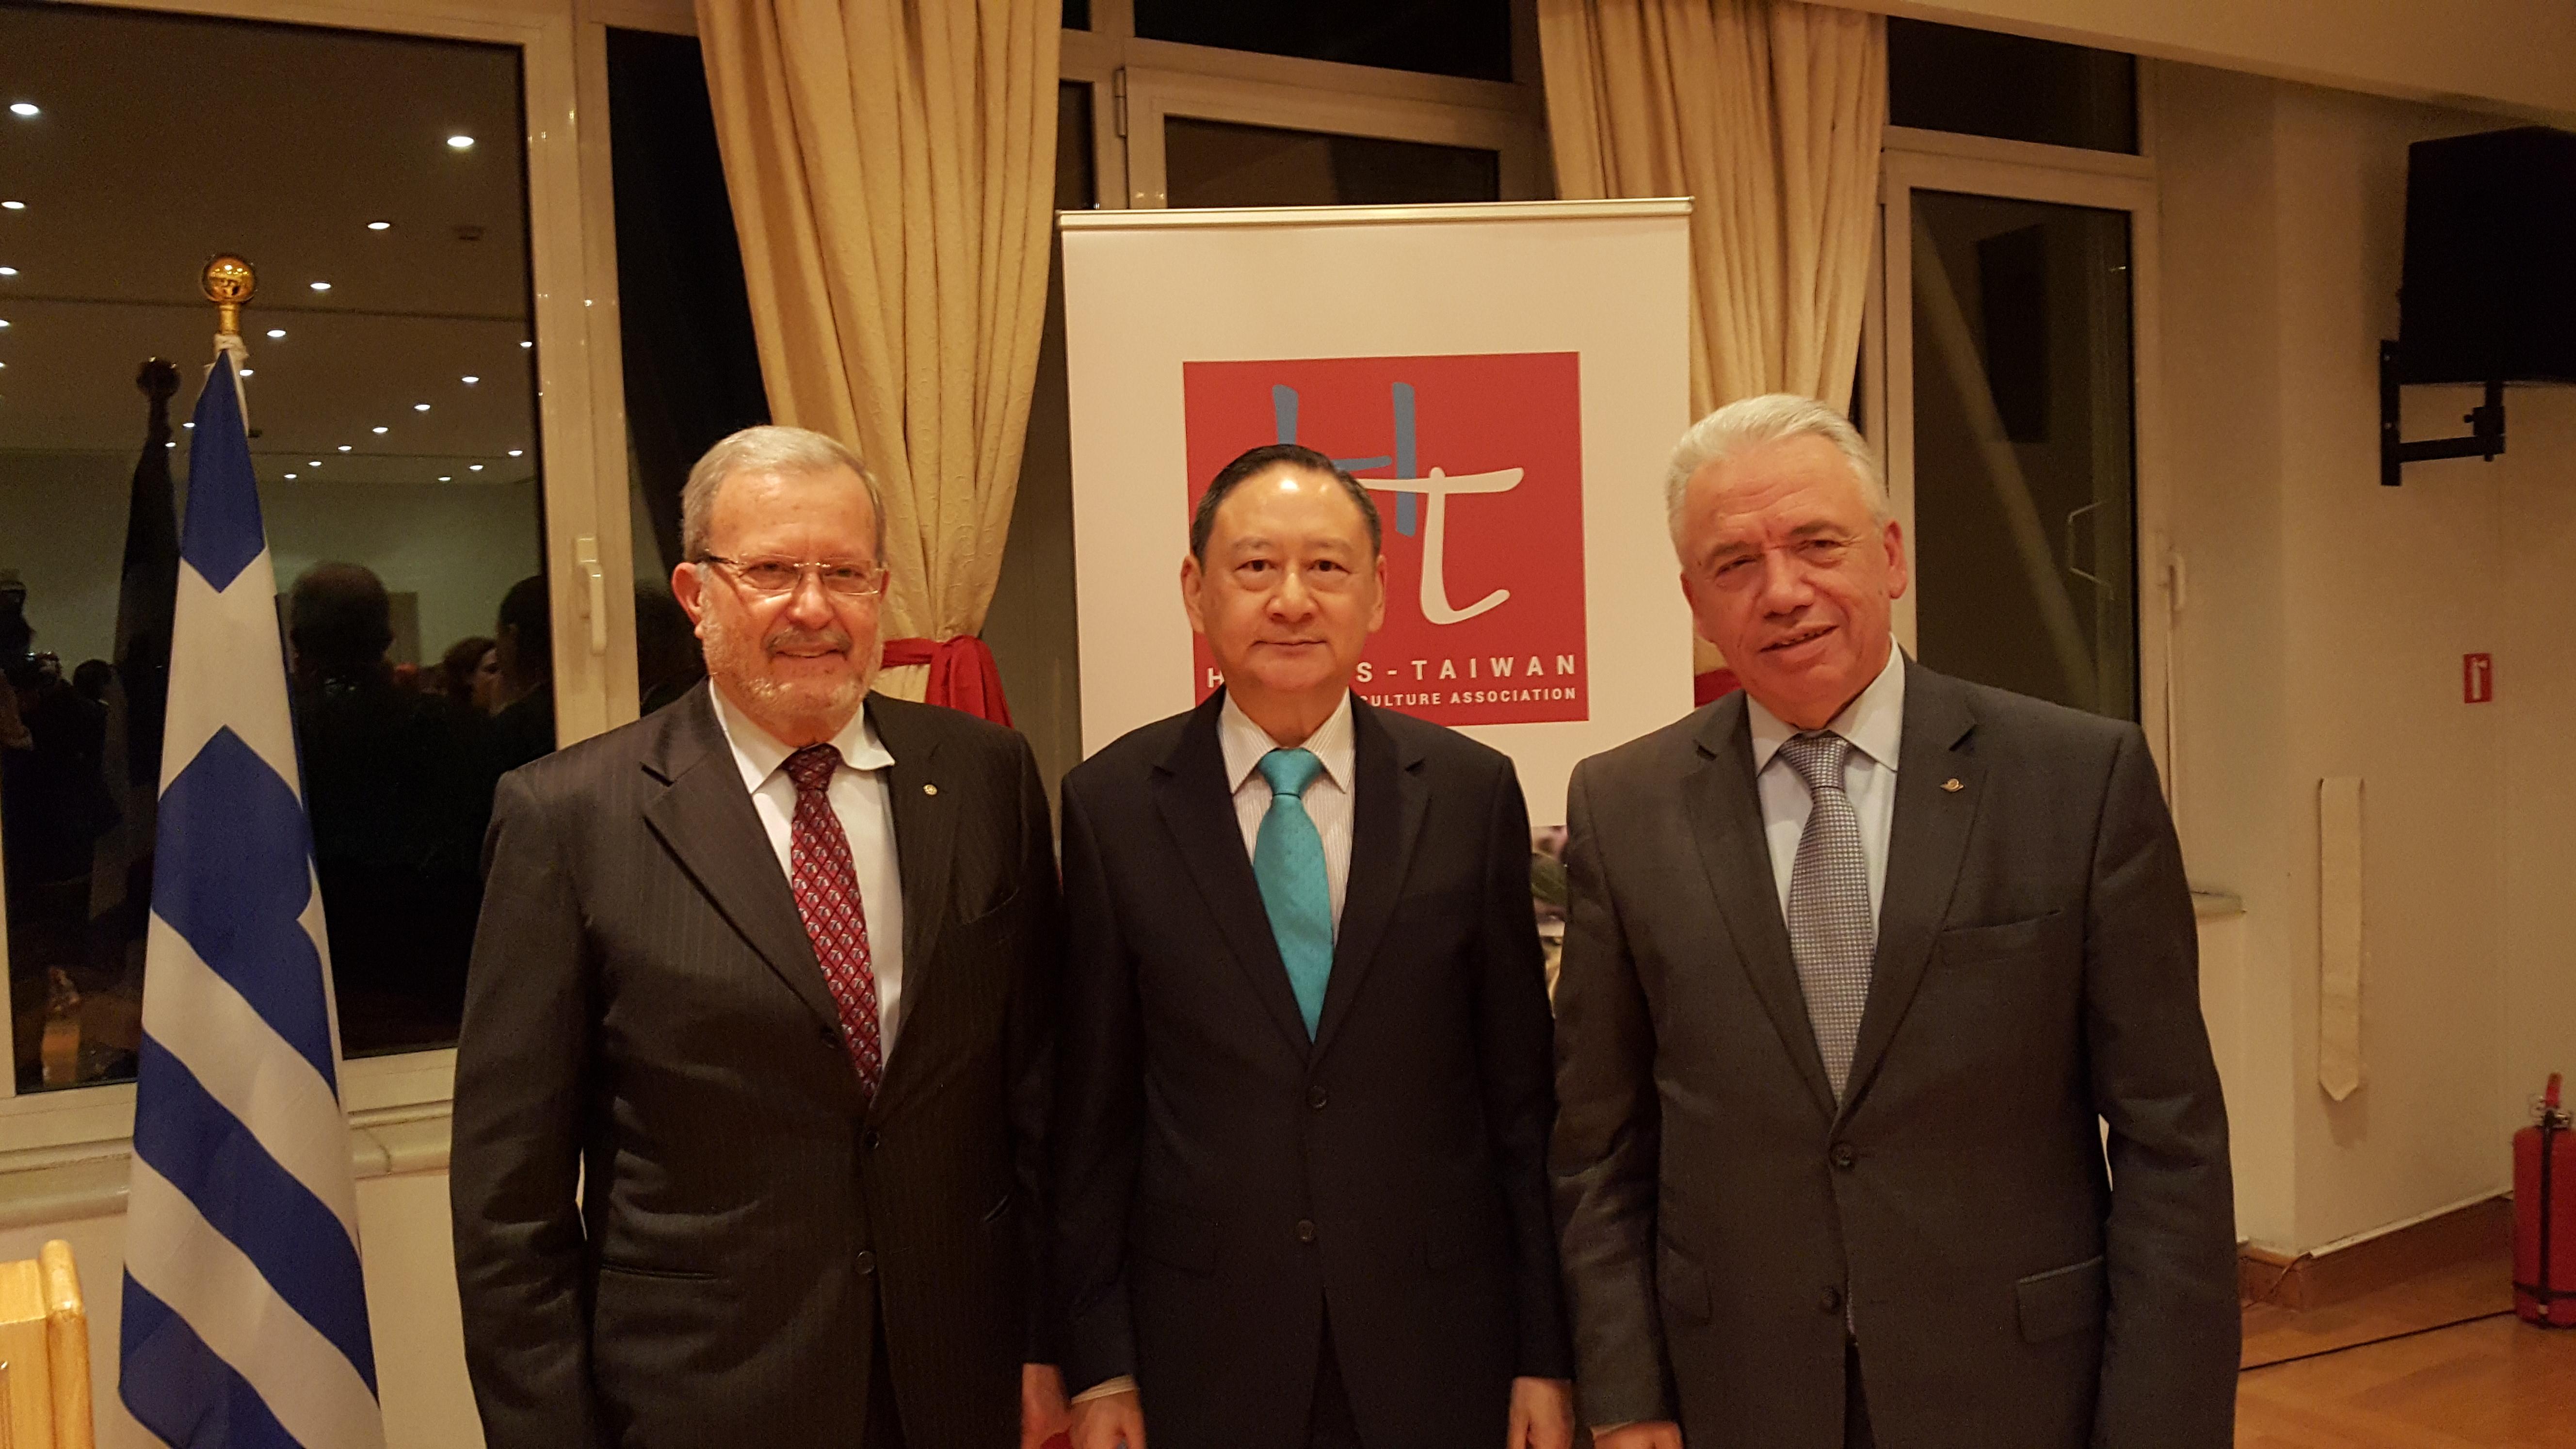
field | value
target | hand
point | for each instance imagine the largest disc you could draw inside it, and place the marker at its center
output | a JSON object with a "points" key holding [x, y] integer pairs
{"points": [[1115, 1420], [1542, 1415], [1042, 1411], [1656, 1435]]}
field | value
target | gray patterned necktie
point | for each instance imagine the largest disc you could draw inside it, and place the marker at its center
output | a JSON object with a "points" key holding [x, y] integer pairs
{"points": [[1831, 934]]}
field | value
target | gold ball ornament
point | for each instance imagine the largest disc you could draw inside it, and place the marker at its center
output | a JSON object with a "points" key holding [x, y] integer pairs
{"points": [[228, 282]]}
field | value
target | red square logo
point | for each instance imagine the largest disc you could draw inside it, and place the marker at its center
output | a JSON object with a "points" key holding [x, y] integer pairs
{"points": [[1476, 464]]}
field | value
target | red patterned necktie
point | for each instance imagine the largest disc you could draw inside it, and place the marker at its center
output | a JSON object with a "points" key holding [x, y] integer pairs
{"points": [[827, 897]]}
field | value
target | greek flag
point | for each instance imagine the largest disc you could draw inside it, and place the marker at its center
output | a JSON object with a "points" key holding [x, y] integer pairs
{"points": [[245, 1315]]}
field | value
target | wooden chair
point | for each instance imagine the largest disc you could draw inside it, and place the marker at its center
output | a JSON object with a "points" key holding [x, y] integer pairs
{"points": [[44, 1354]]}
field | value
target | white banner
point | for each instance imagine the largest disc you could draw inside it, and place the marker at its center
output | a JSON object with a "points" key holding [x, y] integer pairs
{"points": [[1507, 380]]}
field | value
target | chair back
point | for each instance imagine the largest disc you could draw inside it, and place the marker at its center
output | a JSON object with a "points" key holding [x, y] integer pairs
{"points": [[44, 1353]]}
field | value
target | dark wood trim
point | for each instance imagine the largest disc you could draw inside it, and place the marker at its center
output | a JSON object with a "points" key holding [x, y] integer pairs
{"points": [[2313, 1280]]}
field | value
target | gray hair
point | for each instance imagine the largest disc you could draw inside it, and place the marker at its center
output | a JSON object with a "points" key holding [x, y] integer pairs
{"points": [[1772, 418], [767, 449]]}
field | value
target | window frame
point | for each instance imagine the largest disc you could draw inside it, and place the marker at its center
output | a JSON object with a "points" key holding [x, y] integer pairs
{"points": [[1913, 160], [62, 1152]]}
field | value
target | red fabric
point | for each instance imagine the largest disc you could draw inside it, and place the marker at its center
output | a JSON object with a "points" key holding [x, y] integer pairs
{"points": [[827, 897], [1715, 685], [962, 674]]}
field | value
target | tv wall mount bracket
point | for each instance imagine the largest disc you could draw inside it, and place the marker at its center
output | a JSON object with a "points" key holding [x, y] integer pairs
{"points": [[2486, 427]]}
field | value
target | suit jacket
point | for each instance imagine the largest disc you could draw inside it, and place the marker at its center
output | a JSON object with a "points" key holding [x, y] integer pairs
{"points": [[1223, 1181], [2036, 970], [645, 1021]]}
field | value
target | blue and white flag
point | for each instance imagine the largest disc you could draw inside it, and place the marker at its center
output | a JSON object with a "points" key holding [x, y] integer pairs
{"points": [[245, 1313]]}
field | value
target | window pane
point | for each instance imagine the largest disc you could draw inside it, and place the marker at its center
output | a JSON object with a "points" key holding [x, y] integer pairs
{"points": [[2025, 518], [692, 366], [1471, 38], [1944, 78], [1215, 163], [1077, 14], [396, 451], [1077, 167]]}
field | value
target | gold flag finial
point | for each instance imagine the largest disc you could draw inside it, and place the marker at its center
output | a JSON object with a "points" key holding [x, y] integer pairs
{"points": [[228, 282]]}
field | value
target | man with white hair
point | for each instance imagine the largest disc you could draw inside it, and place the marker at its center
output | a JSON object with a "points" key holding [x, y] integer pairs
{"points": [[754, 1073], [1866, 972]]}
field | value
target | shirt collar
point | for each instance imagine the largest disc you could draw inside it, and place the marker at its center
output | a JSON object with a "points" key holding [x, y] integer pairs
{"points": [[1245, 743], [1874, 723], [759, 754]]}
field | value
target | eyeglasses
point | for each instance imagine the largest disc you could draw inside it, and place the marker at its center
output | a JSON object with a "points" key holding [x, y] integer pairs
{"points": [[771, 577]]}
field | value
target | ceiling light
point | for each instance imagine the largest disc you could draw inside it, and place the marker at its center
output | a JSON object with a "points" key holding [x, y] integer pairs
{"points": [[8, 271], [420, 407], [316, 463], [25, 108], [4, 321], [446, 477], [290, 477], [474, 468], [187, 425], [13, 206], [250, 372], [169, 445], [471, 379], [381, 430], [344, 447], [277, 334], [527, 344], [514, 452], [380, 226], [321, 286], [460, 142]]}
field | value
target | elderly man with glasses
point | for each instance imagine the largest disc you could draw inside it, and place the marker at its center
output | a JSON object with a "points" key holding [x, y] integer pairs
{"points": [[754, 1073]]}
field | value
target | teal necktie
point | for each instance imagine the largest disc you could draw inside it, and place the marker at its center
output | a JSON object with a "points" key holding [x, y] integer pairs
{"points": [[1288, 861]]}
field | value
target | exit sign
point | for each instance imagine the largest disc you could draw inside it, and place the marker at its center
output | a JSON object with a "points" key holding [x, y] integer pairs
{"points": [[2477, 678]]}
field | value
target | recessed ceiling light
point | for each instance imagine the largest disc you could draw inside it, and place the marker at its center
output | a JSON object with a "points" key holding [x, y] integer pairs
{"points": [[187, 425], [446, 477], [321, 286], [13, 206], [4, 321], [344, 447], [277, 334], [290, 477], [316, 463], [25, 108], [250, 372], [170, 445], [380, 226], [8, 271], [381, 430], [514, 452], [460, 142], [474, 468], [527, 344], [471, 379], [419, 407]]}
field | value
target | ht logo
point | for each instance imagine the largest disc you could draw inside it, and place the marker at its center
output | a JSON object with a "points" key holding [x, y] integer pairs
{"points": [[1409, 488]]}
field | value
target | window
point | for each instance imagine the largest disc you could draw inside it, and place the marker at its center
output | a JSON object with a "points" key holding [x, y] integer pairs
{"points": [[1983, 83], [1218, 163], [1470, 38], [393, 396]]}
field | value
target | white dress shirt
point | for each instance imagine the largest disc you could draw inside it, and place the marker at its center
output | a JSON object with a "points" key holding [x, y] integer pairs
{"points": [[861, 798], [1875, 725], [1329, 800]]}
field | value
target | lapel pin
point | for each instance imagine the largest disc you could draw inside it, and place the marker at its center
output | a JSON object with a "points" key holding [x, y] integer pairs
{"points": [[1952, 785], [933, 789]]}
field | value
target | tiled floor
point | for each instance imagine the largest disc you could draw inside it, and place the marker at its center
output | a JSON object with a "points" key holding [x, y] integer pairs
{"points": [[2488, 1382]]}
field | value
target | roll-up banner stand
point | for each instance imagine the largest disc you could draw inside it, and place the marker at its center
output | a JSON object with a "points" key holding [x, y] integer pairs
{"points": [[1508, 381]]}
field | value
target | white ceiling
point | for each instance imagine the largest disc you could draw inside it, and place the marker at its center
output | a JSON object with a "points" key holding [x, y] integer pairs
{"points": [[163, 140]]}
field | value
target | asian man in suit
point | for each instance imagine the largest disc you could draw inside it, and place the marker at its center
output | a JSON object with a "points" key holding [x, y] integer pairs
{"points": [[1864, 969], [1305, 1095], [751, 1094]]}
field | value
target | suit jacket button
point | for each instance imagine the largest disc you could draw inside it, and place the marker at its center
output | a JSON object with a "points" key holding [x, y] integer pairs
{"points": [[1315, 1098], [867, 1263], [869, 1139], [1305, 1230], [1844, 1157], [1830, 1301]]}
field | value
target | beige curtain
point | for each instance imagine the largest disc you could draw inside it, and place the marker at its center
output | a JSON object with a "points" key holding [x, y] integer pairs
{"points": [[892, 170], [1768, 113]]}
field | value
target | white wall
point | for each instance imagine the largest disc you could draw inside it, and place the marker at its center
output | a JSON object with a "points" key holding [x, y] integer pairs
{"points": [[2323, 636], [411, 1310]]}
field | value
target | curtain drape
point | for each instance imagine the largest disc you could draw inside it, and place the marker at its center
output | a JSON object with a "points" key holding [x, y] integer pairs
{"points": [[1769, 114], [892, 169]]}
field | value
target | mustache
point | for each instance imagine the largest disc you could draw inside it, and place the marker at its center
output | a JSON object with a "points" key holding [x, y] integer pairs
{"points": [[834, 639]]}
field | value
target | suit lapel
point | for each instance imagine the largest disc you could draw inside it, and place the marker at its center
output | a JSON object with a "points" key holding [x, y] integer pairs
{"points": [[925, 847], [1726, 820], [1937, 788], [704, 817], [1390, 798], [1191, 793]]}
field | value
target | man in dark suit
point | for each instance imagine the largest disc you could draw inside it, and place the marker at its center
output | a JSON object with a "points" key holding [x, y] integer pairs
{"points": [[1302, 1123], [752, 1085], [1860, 963]]}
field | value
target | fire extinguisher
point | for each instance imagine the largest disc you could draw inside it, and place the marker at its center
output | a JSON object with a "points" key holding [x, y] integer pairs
{"points": [[2544, 1216]]}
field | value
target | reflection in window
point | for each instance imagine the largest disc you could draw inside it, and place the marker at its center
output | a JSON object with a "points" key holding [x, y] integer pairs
{"points": [[692, 365], [376, 183], [1217, 163], [1984, 83], [1471, 38]]}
